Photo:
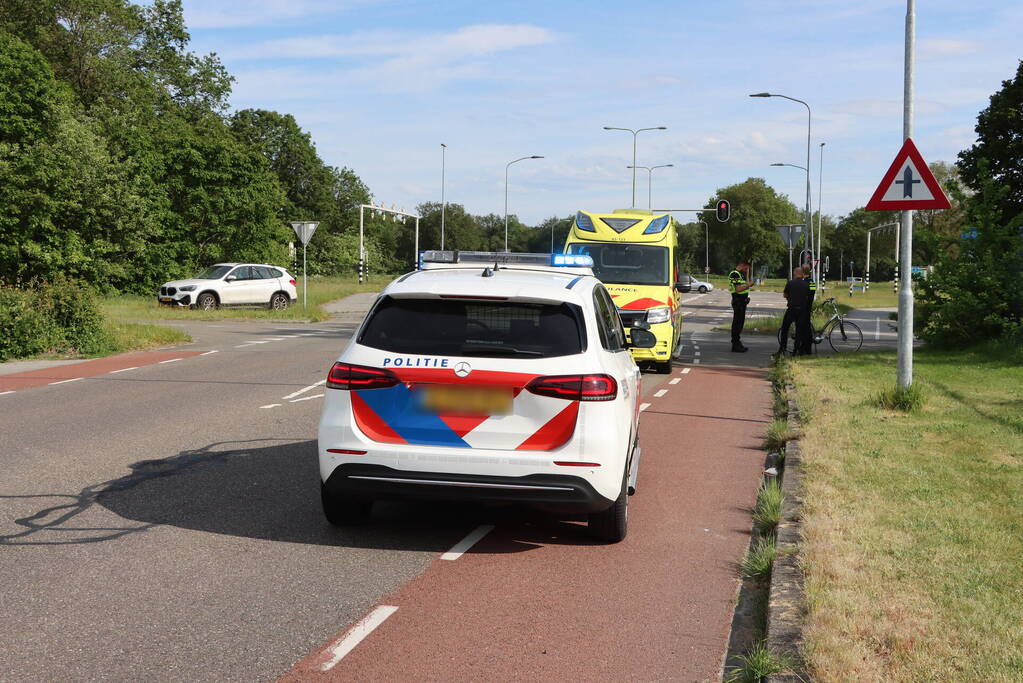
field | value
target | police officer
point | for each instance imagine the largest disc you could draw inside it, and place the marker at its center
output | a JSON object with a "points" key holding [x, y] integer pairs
{"points": [[797, 293], [739, 288]]}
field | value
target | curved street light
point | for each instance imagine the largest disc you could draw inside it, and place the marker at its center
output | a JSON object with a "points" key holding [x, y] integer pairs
{"points": [[807, 168], [650, 179], [507, 166], [635, 132]]}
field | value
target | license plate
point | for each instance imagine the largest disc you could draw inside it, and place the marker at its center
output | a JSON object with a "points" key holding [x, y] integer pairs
{"points": [[455, 400], [166, 298]]}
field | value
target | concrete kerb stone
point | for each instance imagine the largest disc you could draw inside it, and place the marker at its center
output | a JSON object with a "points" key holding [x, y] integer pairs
{"points": [[786, 605]]}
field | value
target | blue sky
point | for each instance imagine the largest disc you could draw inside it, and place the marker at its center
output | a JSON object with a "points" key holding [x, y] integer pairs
{"points": [[380, 85]]}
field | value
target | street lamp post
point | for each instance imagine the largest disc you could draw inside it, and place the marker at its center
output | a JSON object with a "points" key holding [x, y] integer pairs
{"points": [[650, 180], [443, 205], [507, 166], [706, 246], [809, 224], [820, 214], [635, 133]]}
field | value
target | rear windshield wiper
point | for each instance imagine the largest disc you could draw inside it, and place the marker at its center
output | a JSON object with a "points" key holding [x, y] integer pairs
{"points": [[488, 349]]}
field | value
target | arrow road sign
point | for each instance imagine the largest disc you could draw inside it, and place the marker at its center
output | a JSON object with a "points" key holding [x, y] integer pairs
{"points": [[908, 185]]}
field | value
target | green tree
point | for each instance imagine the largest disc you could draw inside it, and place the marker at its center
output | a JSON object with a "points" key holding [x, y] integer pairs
{"points": [[756, 208], [999, 145]]}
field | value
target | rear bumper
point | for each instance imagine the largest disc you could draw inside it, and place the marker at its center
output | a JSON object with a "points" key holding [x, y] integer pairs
{"points": [[552, 492]]}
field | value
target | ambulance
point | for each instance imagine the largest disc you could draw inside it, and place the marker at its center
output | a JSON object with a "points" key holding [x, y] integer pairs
{"points": [[636, 255]]}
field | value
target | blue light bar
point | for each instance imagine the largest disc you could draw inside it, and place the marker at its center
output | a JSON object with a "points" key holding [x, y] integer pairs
{"points": [[656, 225], [572, 260]]}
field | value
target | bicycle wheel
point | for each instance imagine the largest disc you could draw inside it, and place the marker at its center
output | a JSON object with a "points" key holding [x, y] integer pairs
{"points": [[845, 336]]}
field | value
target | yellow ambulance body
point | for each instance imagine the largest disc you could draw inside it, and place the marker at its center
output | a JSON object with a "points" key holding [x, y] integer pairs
{"points": [[636, 255]]}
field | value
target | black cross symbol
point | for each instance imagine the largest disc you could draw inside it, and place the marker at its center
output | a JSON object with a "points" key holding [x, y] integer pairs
{"points": [[907, 182]]}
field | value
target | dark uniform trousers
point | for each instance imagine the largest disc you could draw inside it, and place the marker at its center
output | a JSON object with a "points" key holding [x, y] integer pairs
{"points": [[739, 302]]}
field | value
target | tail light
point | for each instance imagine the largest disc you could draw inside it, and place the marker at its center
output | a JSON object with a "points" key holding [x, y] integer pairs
{"points": [[293, 283], [576, 387], [350, 377]]}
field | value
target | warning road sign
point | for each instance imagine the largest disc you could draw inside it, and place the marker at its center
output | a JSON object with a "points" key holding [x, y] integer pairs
{"points": [[908, 185]]}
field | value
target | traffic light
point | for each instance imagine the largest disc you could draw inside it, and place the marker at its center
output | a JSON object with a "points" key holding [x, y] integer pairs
{"points": [[723, 210]]}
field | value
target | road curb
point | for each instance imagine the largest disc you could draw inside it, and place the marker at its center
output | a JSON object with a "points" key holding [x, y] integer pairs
{"points": [[786, 605]]}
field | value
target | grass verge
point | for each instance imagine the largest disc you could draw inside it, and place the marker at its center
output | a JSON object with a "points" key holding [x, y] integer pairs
{"points": [[757, 663], [912, 524], [322, 290]]}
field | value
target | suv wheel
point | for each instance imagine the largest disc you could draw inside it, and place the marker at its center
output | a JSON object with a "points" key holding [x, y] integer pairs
{"points": [[703, 289], [612, 524], [206, 302], [279, 301], [340, 512]]}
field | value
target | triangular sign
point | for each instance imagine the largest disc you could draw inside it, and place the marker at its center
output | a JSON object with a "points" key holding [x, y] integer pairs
{"points": [[908, 185]]}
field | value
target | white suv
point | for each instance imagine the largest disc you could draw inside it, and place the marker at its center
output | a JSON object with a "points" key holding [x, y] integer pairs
{"points": [[230, 284], [487, 377]]}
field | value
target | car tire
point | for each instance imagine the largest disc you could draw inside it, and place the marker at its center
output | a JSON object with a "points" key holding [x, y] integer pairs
{"points": [[279, 301], [612, 524], [206, 302], [340, 512], [702, 290]]}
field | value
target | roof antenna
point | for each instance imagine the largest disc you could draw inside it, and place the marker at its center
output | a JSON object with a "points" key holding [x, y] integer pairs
{"points": [[487, 272]]}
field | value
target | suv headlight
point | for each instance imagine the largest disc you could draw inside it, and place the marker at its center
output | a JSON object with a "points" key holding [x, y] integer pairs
{"points": [[187, 288], [662, 314]]}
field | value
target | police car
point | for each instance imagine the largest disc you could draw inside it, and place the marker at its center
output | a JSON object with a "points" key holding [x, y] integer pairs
{"points": [[487, 376]]}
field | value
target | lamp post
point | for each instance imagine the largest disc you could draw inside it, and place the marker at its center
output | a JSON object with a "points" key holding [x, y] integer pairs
{"points": [[820, 214], [650, 180], [706, 246], [507, 166], [809, 224], [635, 133], [443, 205], [808, 229]]}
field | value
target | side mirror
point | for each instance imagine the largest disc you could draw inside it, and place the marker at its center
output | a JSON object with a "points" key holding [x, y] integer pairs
{"points": [[642, 339], [230, 278], [683, 287]]}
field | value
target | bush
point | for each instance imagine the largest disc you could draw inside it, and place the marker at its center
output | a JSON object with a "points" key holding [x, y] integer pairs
{"points": [[58, 317]]}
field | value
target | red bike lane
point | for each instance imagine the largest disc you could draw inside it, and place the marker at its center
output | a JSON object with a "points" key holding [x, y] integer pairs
{"points": [[535, 599]]}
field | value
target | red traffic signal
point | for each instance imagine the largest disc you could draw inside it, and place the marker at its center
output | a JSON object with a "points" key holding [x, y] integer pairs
{"points": [[724, 210]]}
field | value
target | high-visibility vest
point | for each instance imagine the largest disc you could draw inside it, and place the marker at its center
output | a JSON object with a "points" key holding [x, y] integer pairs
{"points": [[735, 279]]}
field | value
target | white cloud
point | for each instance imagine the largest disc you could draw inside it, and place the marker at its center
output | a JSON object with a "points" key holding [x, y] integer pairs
{"points": [[204, 14]]}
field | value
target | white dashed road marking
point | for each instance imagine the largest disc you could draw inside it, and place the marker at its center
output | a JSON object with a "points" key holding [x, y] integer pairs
{"points": [[65, 381], [114, 372], [242, 346], [306, 398], [469, 541], [209, 352], [685, 371], [660, 392], [356, 634], [271, 405], [258, 341], [643, 406], [303, 390], [5, 392], [172, 360], [675, 381]]}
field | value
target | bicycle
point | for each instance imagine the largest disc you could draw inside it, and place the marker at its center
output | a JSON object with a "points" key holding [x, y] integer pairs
{"points": [[842, 334]]}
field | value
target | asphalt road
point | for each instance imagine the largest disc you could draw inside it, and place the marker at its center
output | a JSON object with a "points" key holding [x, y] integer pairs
{"points": [[161, 522]]}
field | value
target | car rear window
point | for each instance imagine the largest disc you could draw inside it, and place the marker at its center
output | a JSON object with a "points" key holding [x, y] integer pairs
{"points": [[453, 327]]}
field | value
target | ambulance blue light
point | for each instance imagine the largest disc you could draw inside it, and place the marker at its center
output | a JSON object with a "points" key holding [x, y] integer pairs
{"points": [[576, 260], [584, 222], [656, 225]]}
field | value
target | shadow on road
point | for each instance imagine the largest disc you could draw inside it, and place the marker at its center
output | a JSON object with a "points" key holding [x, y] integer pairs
{"points": [[270, 492]]}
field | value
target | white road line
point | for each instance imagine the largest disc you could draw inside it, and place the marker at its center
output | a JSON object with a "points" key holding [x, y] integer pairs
{"points": [[675, 381], [877, 328], [5, 392], [305, 398], [660, 392], [114, 372], [209, 352], [643, 406], [172, 360], [302, 391], [242, 346], [271, 405], [685, 371], [458, 549], [65, 381], [261, 341], [356, 634]]}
